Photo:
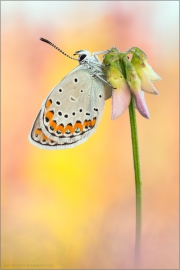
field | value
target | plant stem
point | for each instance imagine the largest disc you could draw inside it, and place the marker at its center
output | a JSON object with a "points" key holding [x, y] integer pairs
{"points": [[137, 171]]}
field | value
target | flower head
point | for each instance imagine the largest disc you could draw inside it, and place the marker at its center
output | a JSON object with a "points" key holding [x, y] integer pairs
{"points": [[129, 77]]}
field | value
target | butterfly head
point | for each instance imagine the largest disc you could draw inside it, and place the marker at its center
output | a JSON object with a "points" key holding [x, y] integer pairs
{"points": [[82, 55]]}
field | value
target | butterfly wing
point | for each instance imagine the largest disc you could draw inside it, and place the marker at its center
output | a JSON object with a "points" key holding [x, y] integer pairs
{"points": [[71, 112]]}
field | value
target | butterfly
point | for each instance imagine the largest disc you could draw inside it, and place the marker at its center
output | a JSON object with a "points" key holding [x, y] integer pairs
{"points": [[72, 110]]}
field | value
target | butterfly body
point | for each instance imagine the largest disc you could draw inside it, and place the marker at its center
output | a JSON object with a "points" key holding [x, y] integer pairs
{"points": [[72, 110]]}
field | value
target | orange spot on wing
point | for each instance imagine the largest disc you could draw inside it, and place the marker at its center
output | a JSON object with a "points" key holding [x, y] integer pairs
{"points": [[70, 128], [49, 115], [53, 124], [38, 131], [48, 103], [86, 123], [78, 125], [44, 138], [89, 123], [61, 128], [93, 122]]}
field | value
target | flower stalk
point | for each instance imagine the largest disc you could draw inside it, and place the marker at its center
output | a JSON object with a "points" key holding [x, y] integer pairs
{"points": [[129, 80], [137, 173], [138, 181]]}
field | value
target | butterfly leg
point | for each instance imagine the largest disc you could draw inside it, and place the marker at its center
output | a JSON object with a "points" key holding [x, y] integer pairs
{"points": [[100, 52], [97, 67], [98, 75]]}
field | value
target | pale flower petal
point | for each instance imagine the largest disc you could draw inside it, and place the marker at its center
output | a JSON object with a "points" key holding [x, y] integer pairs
{"points": [[141, 103], [120, 100], [139, 60], [153, 76], [135, 86], [146, 84]]}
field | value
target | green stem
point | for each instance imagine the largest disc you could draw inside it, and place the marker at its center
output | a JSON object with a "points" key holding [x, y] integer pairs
{"points": [[137, 171]]}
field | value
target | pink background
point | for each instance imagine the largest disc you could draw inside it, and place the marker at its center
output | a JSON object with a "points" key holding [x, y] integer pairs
{"points": [[75, 208]]}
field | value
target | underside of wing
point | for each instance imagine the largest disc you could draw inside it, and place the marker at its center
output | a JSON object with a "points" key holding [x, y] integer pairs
{"points": [[71, 112]]}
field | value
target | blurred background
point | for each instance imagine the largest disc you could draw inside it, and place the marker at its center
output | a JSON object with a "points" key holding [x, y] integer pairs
{"points": [[75, 208]]}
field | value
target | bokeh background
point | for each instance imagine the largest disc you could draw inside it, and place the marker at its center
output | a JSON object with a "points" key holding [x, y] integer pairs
{"points": [[75, 208]]}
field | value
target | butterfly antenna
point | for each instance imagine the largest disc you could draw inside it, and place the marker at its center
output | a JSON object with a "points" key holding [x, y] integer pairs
{"points": [[50, 43]]}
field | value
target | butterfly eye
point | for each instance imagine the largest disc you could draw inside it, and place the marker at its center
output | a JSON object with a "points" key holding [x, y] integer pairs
{"points": [[82, 57]]}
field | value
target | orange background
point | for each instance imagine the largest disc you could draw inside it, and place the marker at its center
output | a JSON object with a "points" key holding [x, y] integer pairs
{"points": [[75, 208]]}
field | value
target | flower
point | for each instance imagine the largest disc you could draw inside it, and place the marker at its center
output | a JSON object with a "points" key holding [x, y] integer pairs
{"points": [[121, 95], [129, 77]]}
